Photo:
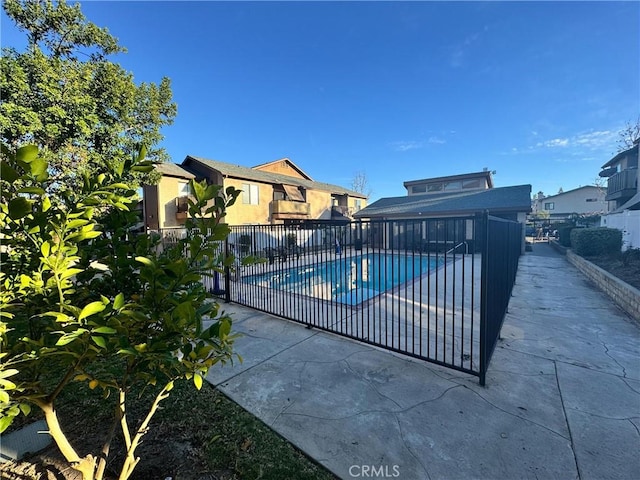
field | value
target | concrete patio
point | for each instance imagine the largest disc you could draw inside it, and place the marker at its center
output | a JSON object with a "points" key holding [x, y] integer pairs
{"points": [[562, 398]]}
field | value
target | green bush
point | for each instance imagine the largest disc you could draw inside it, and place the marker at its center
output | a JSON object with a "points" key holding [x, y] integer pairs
{"points": [[588, 242], [564, 235]]}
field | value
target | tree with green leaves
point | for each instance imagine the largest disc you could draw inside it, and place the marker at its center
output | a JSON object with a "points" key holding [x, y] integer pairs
{"points": [[65, 310], [64, 95]]}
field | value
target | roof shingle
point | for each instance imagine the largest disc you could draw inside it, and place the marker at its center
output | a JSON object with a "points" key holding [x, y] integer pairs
{"points": [[514, 198], [240, 172]]}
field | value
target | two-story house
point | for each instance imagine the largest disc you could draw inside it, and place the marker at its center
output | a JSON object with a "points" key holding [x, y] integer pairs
{"points": [[623, 195], [452, 196], [272, 193], [588, 200]]}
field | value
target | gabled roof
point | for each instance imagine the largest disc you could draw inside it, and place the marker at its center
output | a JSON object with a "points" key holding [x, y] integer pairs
{"points": [[173, 170], [464, 176], [287, 160], [621, 155], [512, 199], [246, 173], [571, 191]]}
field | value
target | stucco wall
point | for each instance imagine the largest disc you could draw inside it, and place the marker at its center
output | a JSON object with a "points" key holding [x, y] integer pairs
{"points": [[168, 190], [352, 203], [575, 202], [242, 213], [320, 204]]}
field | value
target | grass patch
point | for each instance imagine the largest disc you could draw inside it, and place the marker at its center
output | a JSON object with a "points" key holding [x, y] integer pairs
{"points": [[195, 435]]}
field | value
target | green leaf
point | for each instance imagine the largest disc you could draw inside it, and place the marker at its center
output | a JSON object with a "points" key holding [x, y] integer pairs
{"points": [[91, 309], [27, 154], [45, 249], [118, 185], [5, 422], [26, 408], [60, 317], [32, 190], [197, 381], [118, 302], [66, 339], [7, 173], [144, 260], [105, 330], [38, 167], [19, 207], [9, 372], [78, 222], [142, 153], [4, 397], [99, 341]]}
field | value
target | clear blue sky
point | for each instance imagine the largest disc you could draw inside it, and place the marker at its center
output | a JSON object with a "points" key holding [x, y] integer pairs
{"points": [[401, 91]]}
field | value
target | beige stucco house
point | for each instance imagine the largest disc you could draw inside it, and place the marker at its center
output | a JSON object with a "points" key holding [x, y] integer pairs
{"points": [[272, 193]]}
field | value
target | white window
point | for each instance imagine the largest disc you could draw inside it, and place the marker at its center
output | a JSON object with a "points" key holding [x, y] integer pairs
{"points": [[549, 206], [183, 189], [249, 194], [358, 204], [419, 189]]}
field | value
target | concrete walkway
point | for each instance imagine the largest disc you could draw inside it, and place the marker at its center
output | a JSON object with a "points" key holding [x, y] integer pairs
{"points": [[562, 399]]}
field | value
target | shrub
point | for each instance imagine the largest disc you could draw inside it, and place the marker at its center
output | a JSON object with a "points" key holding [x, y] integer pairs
{"points": [[564, 235], [69, 304], [630, 256], [596, 241]]}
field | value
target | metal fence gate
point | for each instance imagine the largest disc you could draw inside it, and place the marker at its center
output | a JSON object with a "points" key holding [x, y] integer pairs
{"points": [[435, 289]]}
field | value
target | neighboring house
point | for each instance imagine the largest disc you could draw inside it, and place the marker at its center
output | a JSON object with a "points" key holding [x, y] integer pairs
{"points": [[454, 183], [587, 200], [272, 193], [453, 196], [165, 204], [623, 195]]}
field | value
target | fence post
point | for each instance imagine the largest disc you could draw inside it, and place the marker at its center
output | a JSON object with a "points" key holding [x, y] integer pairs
{"points": [[484, 278], [227, 273]]}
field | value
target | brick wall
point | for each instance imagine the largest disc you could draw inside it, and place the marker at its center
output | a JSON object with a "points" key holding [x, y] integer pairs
{"points": [[623, 294]]}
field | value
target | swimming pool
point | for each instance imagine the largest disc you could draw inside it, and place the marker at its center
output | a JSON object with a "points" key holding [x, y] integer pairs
{"points": [[349, 280]]}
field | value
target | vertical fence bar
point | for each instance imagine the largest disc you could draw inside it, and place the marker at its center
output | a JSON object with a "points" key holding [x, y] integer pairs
{"points": [[484, 271]]}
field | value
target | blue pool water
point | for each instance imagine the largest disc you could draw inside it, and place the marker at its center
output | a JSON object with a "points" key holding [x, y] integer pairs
{"points": [[349, 280]]}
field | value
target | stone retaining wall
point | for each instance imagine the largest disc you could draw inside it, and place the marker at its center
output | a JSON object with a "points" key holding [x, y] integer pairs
{"points": [[623, 294]]}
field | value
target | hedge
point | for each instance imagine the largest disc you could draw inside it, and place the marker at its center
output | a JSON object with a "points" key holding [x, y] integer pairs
{"points": [[564, 235], [588, 242]]}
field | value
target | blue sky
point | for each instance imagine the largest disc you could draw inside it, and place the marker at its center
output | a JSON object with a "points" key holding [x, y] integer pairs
{"points": [[400, 91]]}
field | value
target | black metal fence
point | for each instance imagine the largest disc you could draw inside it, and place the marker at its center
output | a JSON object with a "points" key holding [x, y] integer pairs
{"points": [[435, 289], [502, 247]]}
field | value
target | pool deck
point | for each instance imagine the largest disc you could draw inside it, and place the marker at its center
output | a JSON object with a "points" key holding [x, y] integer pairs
{"points": [[562, 398]]}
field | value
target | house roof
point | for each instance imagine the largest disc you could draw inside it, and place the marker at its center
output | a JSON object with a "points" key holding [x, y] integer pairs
{"points": [[621, 155], [571, 191], [246, 173], [173, 170], [516, 198], [285, 159], [451, 178]]}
